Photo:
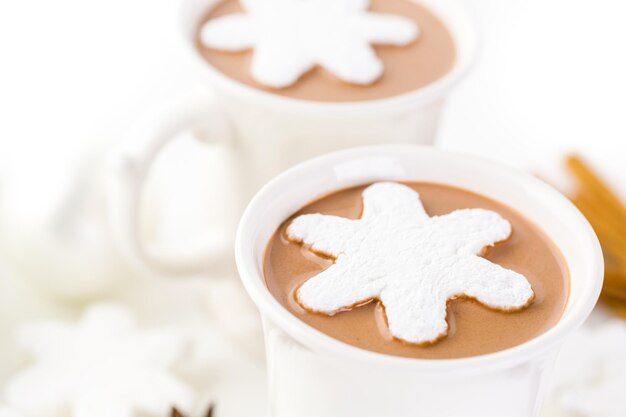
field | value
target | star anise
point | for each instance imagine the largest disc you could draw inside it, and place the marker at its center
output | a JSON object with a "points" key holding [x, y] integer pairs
{"points": [[176, 413]]}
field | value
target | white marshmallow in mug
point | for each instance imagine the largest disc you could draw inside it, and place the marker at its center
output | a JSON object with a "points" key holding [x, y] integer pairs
{"points": [[411, 262], [290, 37]]}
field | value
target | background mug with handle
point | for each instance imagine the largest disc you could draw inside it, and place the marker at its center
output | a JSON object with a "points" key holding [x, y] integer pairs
{"points": [[267, 133]]}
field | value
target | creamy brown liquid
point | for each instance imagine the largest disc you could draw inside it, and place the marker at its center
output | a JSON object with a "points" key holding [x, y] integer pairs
{"points": [[474, 329], [407, 68]]}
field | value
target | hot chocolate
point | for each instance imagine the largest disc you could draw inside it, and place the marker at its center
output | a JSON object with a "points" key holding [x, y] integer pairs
{"points": [[473, 328], [407, 64]]}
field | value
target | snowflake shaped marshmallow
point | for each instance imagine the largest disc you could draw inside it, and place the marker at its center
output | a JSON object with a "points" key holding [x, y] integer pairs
{"points": [[290, 37], [101, 367], [409, 261]]}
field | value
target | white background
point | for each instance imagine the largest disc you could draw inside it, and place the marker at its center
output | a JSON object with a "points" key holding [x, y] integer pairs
{"points": [[75, 73]]}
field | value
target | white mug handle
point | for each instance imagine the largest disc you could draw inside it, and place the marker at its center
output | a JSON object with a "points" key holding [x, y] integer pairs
{"points": [[128, 167]]}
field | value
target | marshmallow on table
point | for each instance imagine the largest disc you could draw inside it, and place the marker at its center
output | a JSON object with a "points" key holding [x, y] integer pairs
{"points": [[411, 262], [101, 367]]}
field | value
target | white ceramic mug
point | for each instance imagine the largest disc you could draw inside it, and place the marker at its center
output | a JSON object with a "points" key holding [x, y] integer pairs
{"points": [[312, 374], [269, 133]]}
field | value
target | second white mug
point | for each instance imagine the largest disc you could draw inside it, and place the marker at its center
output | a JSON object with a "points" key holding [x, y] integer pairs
{"points": [[268, 133]]}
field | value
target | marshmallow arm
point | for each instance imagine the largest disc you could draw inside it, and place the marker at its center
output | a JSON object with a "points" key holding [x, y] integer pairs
{"points": [[394, 201], [492, 285], [336, 288], [416, 314], [324, 234], [386, 29], [471, 230], [278, 63], [354, 62], [229, 33]]}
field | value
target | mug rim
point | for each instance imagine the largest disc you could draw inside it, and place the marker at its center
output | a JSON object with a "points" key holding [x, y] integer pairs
{"points": [[316, 340], [466, 52]]}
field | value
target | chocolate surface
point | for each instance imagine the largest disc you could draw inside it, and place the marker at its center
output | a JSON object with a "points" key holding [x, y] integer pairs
{"points": [[474, 329], [407, 68]]}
